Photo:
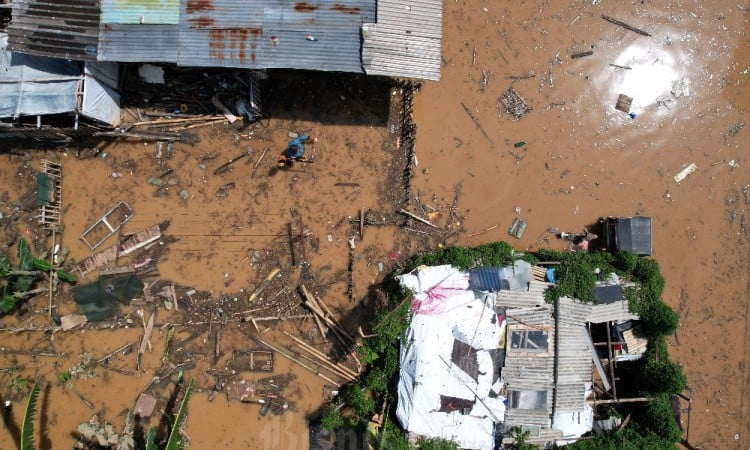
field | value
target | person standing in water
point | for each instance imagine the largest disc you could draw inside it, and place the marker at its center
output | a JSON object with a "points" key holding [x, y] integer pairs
{"points": [[295, 151]]}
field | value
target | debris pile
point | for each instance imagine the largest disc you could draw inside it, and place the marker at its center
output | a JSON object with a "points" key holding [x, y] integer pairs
{"points": [[513, 104]]}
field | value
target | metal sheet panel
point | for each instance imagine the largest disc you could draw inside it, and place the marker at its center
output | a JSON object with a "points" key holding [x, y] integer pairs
{"points": [[316, 35], [139, 43], [54, 28], [141, 11], [405, 41], [101, 100]]}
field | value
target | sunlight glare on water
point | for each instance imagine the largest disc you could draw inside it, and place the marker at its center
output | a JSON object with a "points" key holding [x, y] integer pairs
{"points": [[650, 77]]}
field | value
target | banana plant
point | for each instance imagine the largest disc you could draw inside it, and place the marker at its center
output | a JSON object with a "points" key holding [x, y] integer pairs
{"points": [[174, 442], [27, 430], [16, 283]]}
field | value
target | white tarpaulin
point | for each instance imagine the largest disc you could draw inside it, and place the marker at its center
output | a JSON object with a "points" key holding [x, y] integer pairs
{"points": [[101, 100], [445, 311]]}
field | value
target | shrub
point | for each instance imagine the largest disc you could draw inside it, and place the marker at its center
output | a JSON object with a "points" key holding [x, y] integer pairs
{"points": [[658, 318], [659, 374], [625, 261], [436, 444], [331, 419], [392, 438], [656, 416], [647, 272]]}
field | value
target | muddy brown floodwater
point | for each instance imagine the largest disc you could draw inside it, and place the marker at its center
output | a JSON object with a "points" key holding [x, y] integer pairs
{"points": [[582, 159]]}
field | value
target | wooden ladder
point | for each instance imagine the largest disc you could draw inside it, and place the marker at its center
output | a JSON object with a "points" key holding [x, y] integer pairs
{"points": [[51, 216]]}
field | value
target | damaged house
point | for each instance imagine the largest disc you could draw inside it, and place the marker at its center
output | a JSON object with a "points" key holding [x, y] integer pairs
{"points": [[485, 355], [67, 55]]}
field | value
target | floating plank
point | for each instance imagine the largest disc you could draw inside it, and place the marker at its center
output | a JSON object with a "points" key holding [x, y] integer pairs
{"points": [[685, 172]]}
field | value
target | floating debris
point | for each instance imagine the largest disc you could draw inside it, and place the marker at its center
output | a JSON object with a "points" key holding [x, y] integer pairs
{"points": [[685, 172], [514, 104]]}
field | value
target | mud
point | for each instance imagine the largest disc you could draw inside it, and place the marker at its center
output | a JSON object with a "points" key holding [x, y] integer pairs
{"points": [[582, 159]]}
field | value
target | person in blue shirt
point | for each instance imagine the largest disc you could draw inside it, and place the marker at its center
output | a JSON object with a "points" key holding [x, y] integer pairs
{"points": [[295, 151]]}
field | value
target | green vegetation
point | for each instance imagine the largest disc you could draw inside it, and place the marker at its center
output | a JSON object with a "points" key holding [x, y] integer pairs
{"points": [[16, 283], [652, 424], [175, 441], [436, 444], [486, 255], [27, 431], [520, 437]]}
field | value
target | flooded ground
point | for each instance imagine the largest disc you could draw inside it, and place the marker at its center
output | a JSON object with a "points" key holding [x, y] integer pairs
{"points": [[581, 159]]}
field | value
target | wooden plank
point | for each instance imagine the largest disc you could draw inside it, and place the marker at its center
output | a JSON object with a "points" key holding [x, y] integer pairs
{"points": [[129, 245], [595, 358]]}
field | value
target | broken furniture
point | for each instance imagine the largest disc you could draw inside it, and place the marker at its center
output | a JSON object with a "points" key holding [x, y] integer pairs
{"points": [[253, 360], [128, 246], [108, 225]]}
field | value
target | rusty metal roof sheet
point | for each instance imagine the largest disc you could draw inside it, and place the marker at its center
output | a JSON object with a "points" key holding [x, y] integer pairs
{"points": [[67, 30], [317, 34], [402, 39]]}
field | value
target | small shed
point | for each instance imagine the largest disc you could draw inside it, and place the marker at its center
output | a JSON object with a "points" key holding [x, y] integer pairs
{"points": [[632, 234], [32, 85]]}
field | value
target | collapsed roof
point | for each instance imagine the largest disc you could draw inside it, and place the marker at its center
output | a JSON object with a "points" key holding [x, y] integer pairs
{"points": [[475, 358]]}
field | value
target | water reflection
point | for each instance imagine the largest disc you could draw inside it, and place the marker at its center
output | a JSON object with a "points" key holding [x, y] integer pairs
{"points": [[648, 74]]}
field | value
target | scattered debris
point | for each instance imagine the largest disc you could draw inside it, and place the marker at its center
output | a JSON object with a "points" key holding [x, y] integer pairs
{"points": [[417, 218], [685, 172], [624, 103], [517, 228], [514, 104], [681, 88], [625, 25], [107, 225], [252, 360], [476, 122], [145, 405], [70, 321], [617, 66], [581, 54]]}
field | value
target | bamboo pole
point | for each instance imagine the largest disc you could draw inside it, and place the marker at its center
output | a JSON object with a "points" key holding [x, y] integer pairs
{"points": [[285, 354], [320, 355], [417, 218], [260, 158], [316, 361]]}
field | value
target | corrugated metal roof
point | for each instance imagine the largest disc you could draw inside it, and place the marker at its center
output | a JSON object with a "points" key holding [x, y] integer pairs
{"points": [[634, 234], [57, 29], [405, 41], [139, 43], [617, 311], [401, 40], [314, 35], [141, 11]]}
